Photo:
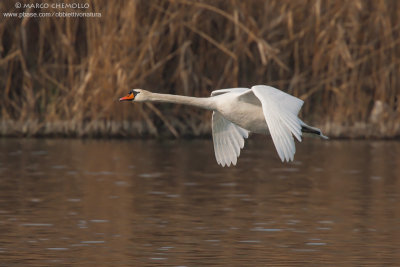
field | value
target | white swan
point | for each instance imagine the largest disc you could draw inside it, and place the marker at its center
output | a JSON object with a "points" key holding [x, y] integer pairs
{"points": [[238, 111]]}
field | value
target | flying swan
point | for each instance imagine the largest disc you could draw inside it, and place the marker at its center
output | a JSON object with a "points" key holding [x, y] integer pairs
{"points": [[239, 111]]}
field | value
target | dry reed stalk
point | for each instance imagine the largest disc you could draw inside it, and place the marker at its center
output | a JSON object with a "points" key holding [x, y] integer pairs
{"points": [[62, 76]]}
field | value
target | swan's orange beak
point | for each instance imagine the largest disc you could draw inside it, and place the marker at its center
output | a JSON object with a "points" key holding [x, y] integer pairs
{"points": [[128, 97]]}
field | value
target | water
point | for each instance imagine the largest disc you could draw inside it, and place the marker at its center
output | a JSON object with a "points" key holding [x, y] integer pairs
{"points": [[143, 203]]}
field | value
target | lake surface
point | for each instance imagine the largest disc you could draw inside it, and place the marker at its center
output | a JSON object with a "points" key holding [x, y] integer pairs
{"points": [[144, 203]]}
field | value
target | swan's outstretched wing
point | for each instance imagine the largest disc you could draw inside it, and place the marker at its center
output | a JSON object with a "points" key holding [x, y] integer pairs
{"points": [[229, 90], [280, 111], [228, 139]]}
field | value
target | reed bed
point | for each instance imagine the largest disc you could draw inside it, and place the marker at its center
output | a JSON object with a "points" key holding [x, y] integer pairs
{"points": [[62, 76]]}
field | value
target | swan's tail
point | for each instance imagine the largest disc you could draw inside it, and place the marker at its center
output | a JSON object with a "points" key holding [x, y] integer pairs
{"points": [[312, 130]]}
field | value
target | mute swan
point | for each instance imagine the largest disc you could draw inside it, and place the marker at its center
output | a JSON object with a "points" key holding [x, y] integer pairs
{"points": [[239, 111]]}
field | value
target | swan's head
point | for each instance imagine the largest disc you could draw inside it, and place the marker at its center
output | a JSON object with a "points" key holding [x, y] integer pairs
{"points": [[136, 95]]}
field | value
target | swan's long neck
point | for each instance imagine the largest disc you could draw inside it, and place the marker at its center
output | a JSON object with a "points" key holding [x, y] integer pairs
{"points": [[201, 102]]}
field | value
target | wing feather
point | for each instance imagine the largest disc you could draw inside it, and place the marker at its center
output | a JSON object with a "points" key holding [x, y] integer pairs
{"points": [[280, 111], [217, 152], [228, 139]]}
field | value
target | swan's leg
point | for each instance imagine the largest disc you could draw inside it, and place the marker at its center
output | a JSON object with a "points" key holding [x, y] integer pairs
{"points": [[312, 130]]}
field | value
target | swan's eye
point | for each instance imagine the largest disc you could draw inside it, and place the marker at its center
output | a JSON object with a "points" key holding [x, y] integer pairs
{"points": [[134, 92]]}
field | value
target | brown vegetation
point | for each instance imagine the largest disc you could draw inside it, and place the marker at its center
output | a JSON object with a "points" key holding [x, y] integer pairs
{"points": [[61, 76]]}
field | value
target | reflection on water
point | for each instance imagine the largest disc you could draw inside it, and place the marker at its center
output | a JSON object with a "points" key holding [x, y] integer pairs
{"points": [[140, 203]]}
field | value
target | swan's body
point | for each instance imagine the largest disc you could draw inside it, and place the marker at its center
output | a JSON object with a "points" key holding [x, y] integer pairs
{"points": [[238, 111]]}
